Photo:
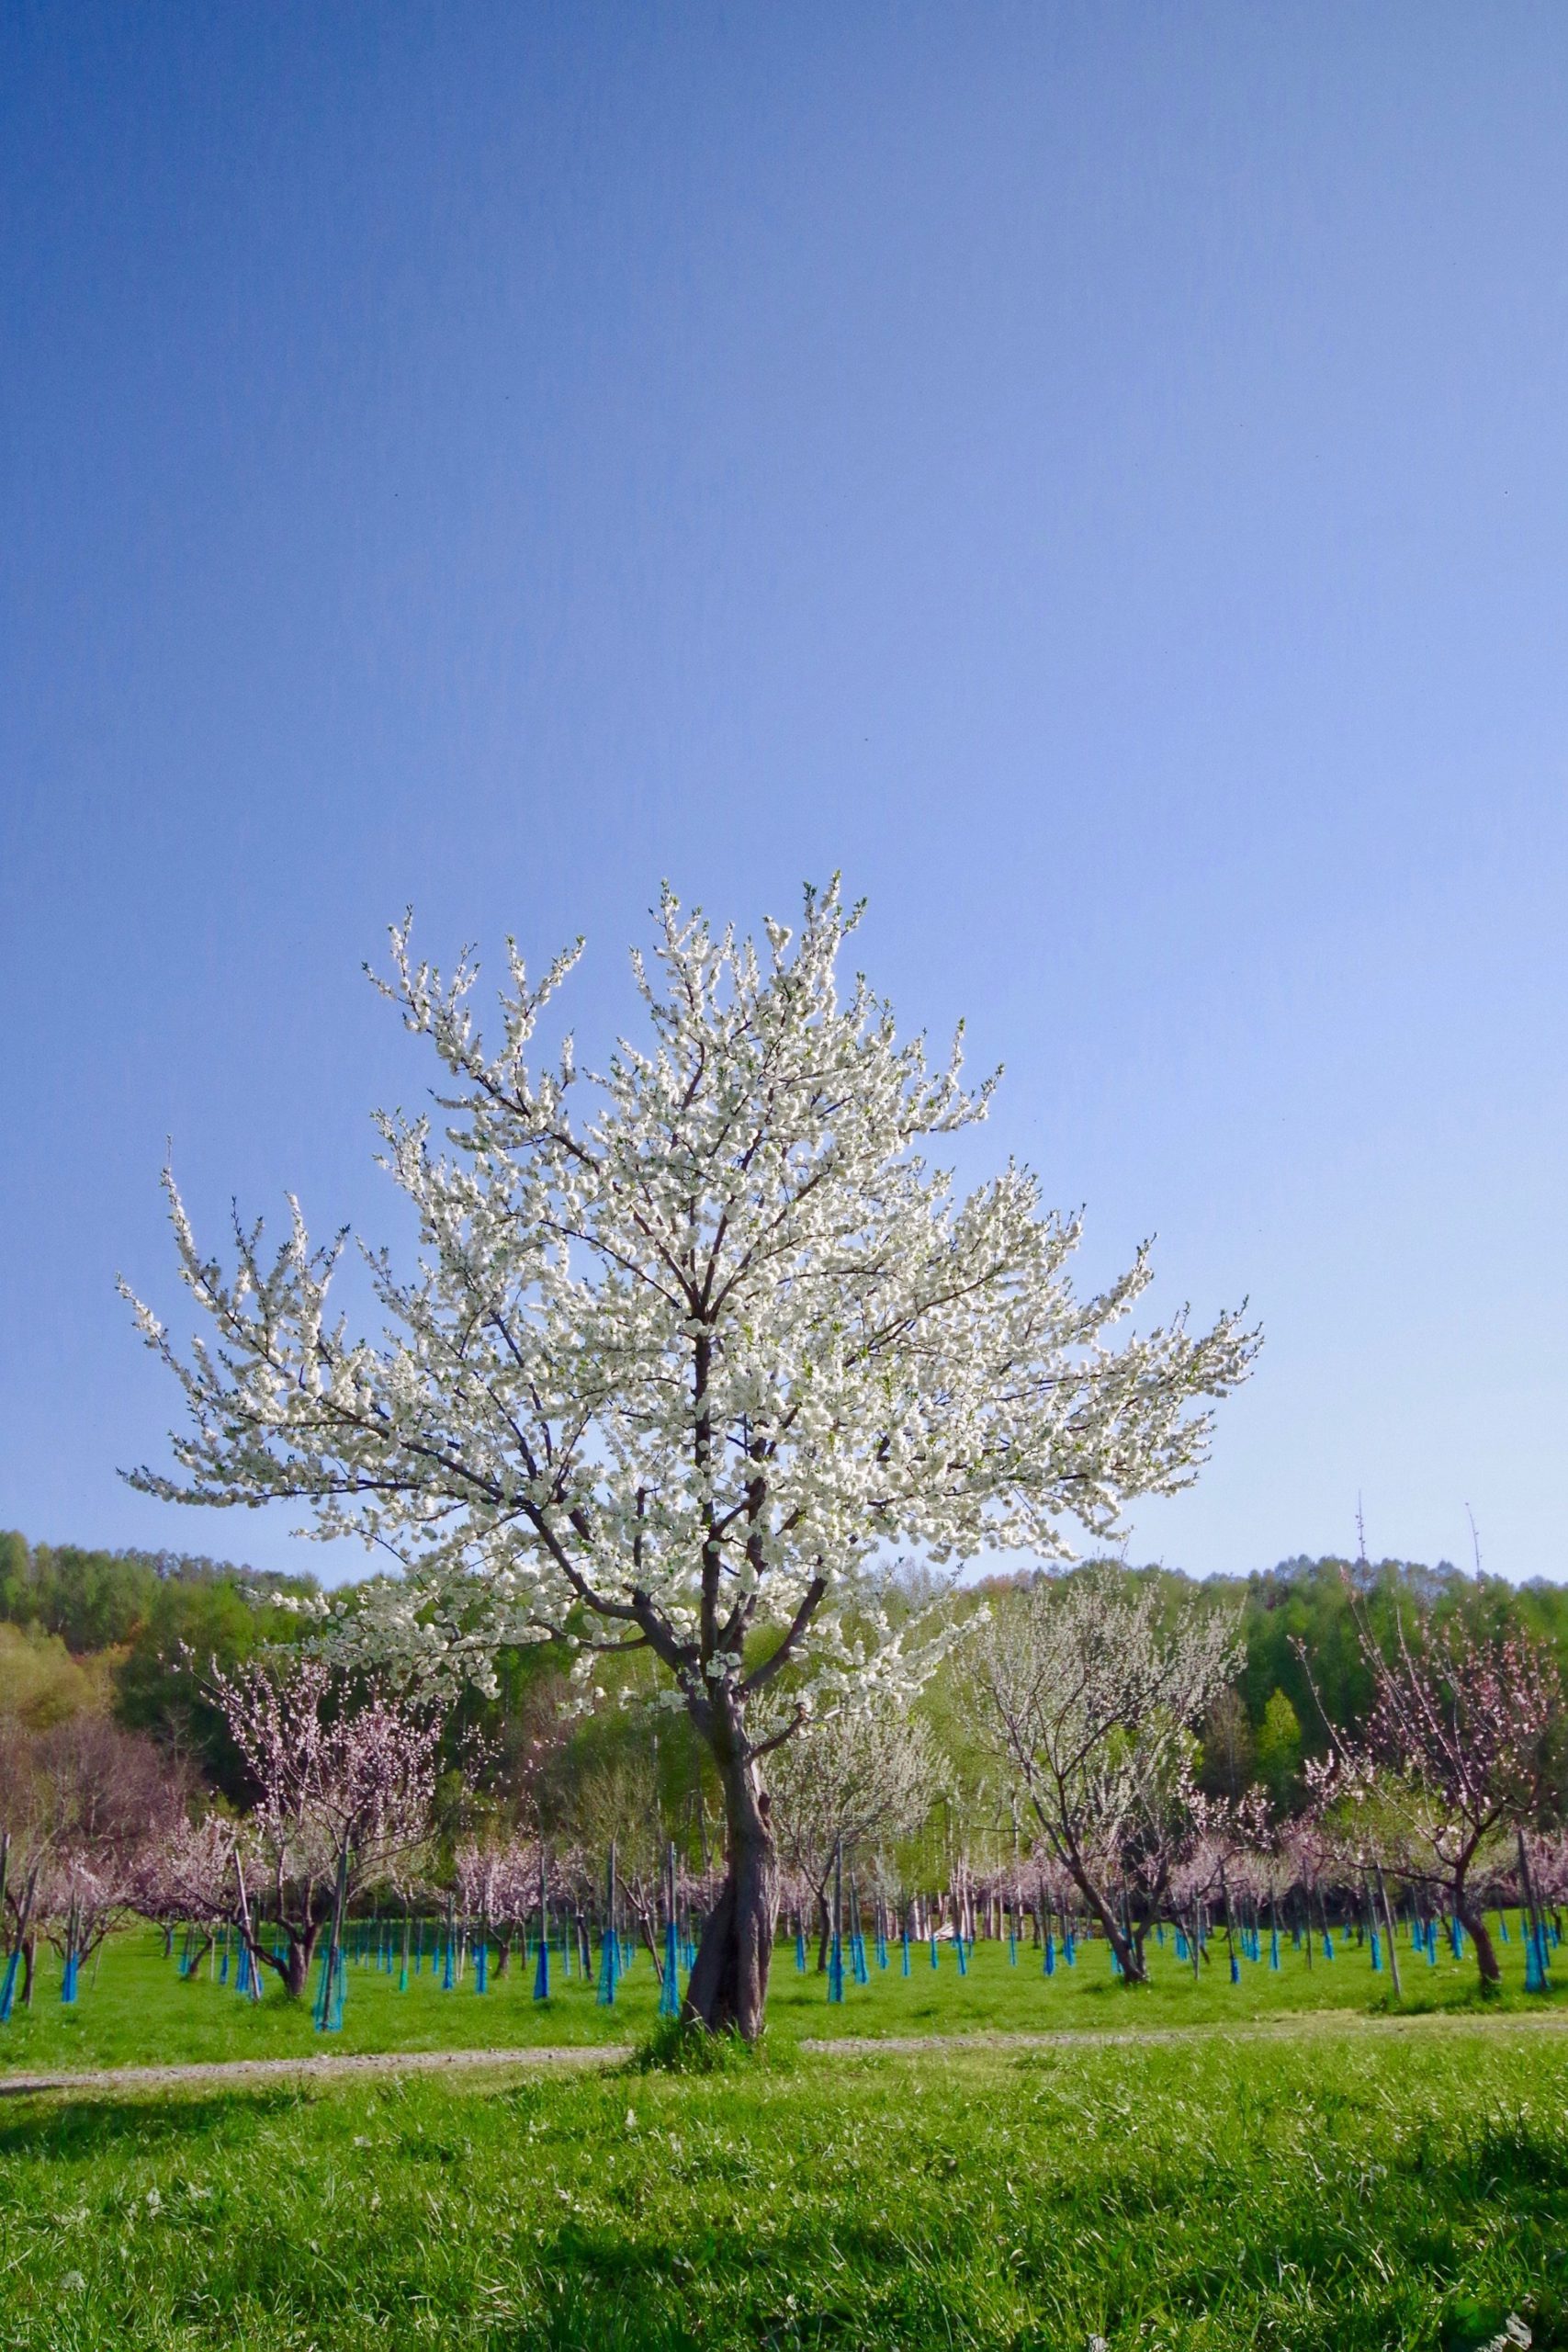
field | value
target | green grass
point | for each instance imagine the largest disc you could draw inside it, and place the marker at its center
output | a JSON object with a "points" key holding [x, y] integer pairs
{"points": [[1321, 2186], [139, 2013], [1327, 2188]]}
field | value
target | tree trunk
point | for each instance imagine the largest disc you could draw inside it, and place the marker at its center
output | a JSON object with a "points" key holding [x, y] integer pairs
{"points": [[730, 1984], [295, 1966], [1128, 1953], [824, 1927], [650, 1941], [193, 1969], [1472, 1919]]}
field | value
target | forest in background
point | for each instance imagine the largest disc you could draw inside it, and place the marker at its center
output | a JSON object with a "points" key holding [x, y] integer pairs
{"points": [[125, 1634]]}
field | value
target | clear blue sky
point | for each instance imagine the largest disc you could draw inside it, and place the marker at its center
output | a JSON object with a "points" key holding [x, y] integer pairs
{"points": [[1097, 475]]}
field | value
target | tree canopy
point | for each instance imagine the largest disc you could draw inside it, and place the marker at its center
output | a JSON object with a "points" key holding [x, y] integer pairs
{"points": [[691, 1343]]}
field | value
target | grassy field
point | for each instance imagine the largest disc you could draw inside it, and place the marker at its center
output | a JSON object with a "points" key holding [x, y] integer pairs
{"points": [[138, 2012], [1346, 2178], [1334, 2186]]}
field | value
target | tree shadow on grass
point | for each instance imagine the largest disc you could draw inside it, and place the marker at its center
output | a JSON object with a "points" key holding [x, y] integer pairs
{"points": [[852, 2286], [868, 2282], [64, 2129]]}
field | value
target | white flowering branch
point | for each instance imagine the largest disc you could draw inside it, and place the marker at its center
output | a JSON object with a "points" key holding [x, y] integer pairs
{"points": [[689, 1343]]}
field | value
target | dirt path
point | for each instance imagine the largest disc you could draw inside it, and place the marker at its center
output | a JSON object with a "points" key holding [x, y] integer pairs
{"points": [[551, 2059], [556, 2057], [1291, 2028]]}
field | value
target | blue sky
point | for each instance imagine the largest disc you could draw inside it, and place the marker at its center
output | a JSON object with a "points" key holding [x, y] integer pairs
{"points": [[1096, 475]]}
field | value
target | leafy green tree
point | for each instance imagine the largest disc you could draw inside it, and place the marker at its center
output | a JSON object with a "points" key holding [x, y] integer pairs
{"points": [[1278, 1751], [94, 1600], [161, 1684], [41, 1684]]}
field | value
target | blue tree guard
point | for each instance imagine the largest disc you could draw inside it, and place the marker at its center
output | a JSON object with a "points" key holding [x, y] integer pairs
{"points": [[1377, 1953], [8, 1989], [609, 1972], [542, 1971], [1181, 1951], [934, 1961], [68, 1981], [481, 1964], [904, 1949], [1536, 1978], [1050, 1953], [330, 1992], [962, 1955], [669, 1989], [1328, 1945], [800, 1951], [857, 1958], [836, 1969], [1069, 1948], [1274, 1948], [881, 1947]]}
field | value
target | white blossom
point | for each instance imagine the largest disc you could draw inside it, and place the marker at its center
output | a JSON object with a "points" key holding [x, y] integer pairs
{"points": [[686, 1362]]}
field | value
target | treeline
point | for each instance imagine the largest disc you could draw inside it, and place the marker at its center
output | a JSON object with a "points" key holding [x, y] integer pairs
{"points": [[100, 1601], [1305, 1668], [114, 1633], [117, 1632]]}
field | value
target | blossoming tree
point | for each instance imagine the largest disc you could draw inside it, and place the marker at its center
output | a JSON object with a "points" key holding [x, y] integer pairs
{"points": [[192, 1873], [676, 1365], [343, 1794], [1454, 1758], [1090, 1701], [861, 1777]]}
